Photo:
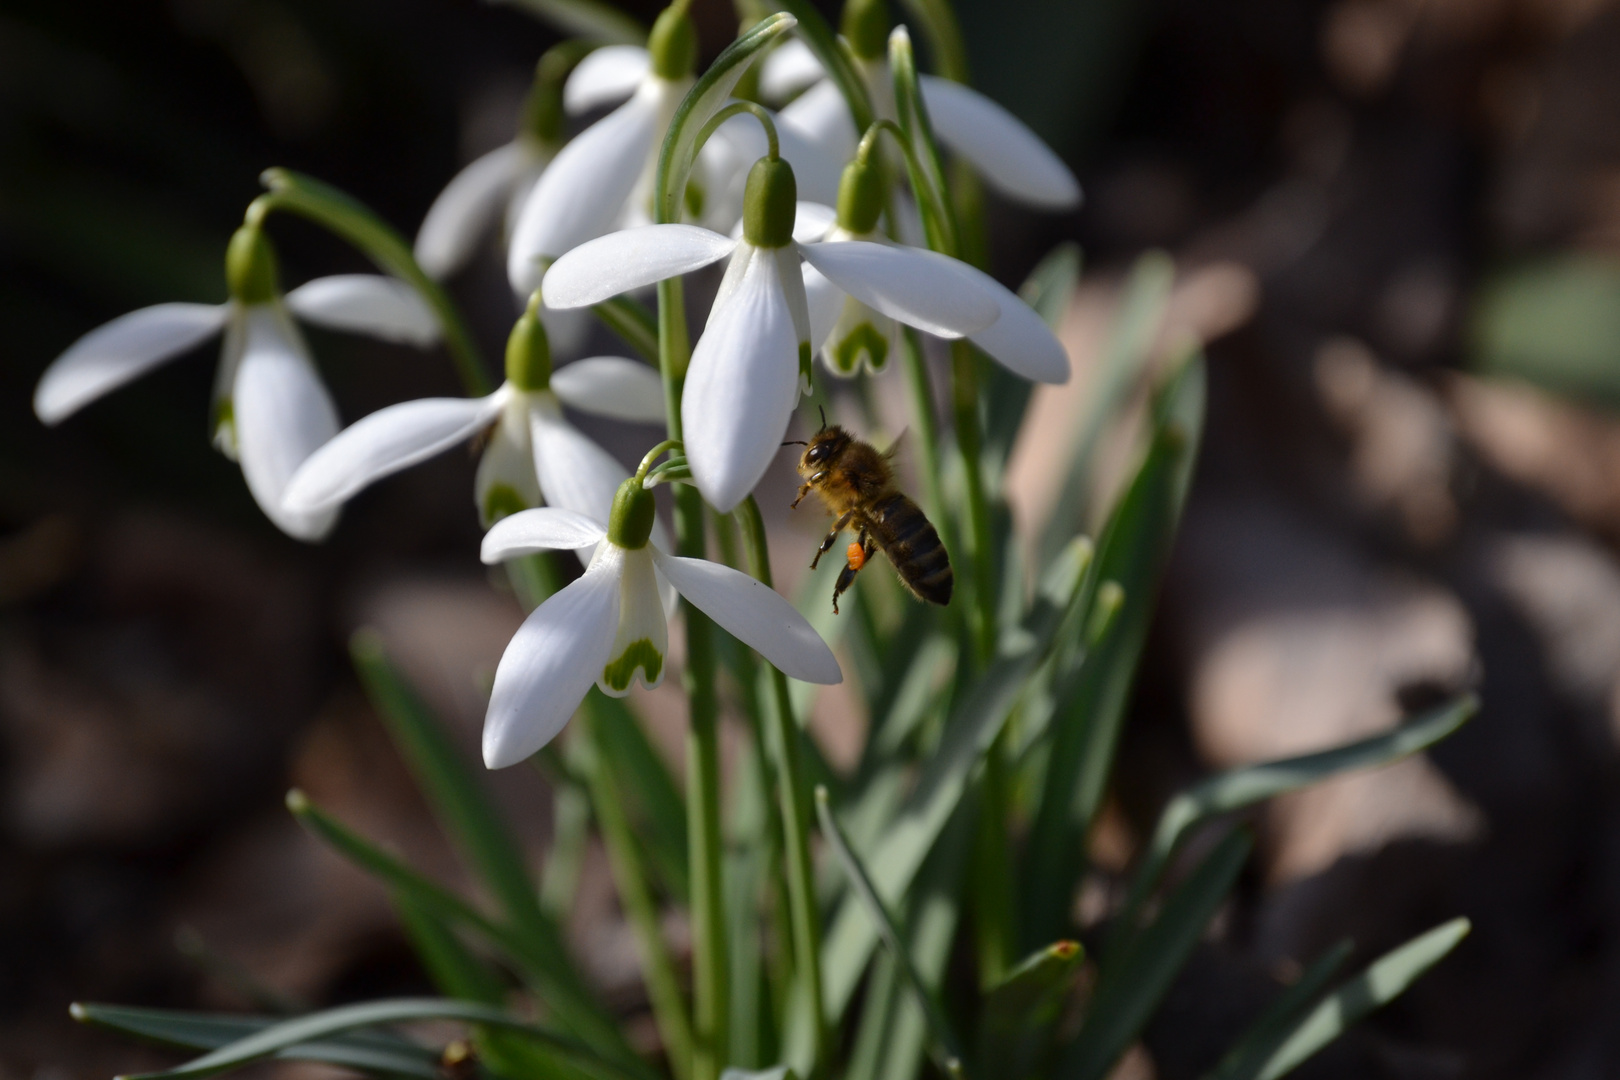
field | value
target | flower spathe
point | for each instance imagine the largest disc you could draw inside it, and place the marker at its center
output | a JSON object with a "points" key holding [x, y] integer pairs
{"points": [[533, 454], [745, 373], [609, 626], [271, 410]]}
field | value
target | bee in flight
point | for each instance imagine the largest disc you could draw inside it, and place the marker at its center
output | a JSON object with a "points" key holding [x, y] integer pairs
{"points": [[856, 484]]}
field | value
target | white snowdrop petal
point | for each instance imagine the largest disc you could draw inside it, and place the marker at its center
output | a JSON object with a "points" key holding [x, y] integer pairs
{"points": [[1011, 158], [754, 614], [546, 528], [384, 443], [921, 288], [283, 415], [789, 68], [642, 641], [605, 75], [741, 385], [574, 472], [468, 207], [812, 221], [120, 351], [821, 117], [826, 302], [629, 259], [584, 189], [1020, 340], [384, 307], [550, 664], [613, 386], [506, 469]]}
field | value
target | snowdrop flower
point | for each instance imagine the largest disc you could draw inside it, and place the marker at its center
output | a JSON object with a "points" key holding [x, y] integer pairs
{"points": [[271, 410], [588, 186], [500, 180], [850, 333], [1008, 155], [532, 452], [753, 360], [609, 627]]}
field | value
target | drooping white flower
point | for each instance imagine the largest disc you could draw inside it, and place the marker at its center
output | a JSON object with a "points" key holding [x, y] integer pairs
{"points": [[753, 358], [533, 454], [1010, 157], [609, 627], [851, 334], [271, 410], [593, 181]]}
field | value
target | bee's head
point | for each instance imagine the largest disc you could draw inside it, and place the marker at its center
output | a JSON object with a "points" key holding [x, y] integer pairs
{"points": [[823, 449]]}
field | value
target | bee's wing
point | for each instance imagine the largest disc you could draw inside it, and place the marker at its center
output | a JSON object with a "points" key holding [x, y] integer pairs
{"points": [[900, 442]]}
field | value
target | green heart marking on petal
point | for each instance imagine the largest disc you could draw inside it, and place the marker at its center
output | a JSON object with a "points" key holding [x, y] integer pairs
{"points": [[865, 341], [500, 501], [638, 654]]}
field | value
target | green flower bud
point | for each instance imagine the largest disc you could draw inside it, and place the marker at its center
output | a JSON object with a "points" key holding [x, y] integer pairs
{"points": [[528, 350], [673, 44], [543, 110], [866, 26], [250, 266], [860, 196], [769, 203], [631, 522]]}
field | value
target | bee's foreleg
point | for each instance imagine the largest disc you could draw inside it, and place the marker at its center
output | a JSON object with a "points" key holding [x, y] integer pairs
{"points": [[831, 538], [804, 489]]}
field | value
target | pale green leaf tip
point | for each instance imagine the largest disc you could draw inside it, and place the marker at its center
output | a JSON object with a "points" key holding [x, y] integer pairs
{"points": [[297, 801], [79, 1012]]}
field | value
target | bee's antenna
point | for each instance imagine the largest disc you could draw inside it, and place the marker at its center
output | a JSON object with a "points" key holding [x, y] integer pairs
{"points": [[795, 442], [823, 410]]}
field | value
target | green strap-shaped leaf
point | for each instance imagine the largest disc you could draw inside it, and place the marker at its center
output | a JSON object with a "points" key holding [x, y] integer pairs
{"points": [[356, 223], [1132, 552], [588, 19], [944, 1046], [320, 1026], [1249, 1054], [1239, 788], [1131, 985], [1125, 354], [1019, 1012], [969, 732], [1383, 981], [1048, 289], [535, 957], [655, 802]]}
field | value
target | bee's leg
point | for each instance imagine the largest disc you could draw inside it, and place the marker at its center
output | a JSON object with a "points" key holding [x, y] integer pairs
{"points": [[804, 489], [846, 576], [831, 538]]}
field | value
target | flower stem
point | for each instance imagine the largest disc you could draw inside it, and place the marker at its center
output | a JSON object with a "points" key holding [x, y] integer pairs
{"points": [[965, 403], [782, 740], [663, 988], [710, 966]]}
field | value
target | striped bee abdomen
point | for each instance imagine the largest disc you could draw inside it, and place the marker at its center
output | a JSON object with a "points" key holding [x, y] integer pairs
{"points": [[904, 533]]}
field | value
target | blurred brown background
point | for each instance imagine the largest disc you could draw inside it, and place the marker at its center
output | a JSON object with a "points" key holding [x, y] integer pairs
{"points": [[1397, 221]]}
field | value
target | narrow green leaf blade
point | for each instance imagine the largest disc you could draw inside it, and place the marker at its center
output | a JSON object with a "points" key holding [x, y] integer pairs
{"points": [[632, 321], [201, 1031], [835, 59], [1249, 1054], [1131, 985], [1244, 787], [1048, 290], [1385, 980], [322, 1025], [1018, 1012]]}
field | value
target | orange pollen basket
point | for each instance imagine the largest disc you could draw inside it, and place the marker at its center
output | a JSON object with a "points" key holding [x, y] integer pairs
{"points": [[857, 556]]}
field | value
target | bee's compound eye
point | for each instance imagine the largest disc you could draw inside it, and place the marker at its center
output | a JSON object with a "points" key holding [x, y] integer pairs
{"points": [[816, 453]]}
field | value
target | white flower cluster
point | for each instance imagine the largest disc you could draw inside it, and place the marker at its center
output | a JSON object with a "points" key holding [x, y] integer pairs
{"points": [[804, 276]]}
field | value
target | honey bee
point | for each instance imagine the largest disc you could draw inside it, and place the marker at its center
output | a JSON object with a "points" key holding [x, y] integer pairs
{"points": [[856, 484]]}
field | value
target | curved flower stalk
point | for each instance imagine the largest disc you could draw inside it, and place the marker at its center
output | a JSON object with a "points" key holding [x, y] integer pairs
{"points": [[501, 180], [851, 334], [271, 410], [1010, 157], [533, 453], [609, 627], [753, 359], [608, 169]]}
